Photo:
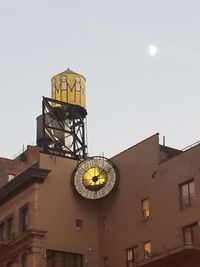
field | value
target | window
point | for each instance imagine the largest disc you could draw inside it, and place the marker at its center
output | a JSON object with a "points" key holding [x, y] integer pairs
{"points": [[6, 228], [24, 220], [63, 80], [105, 262], [104, 224], [145, 208], [63, 259], [131, 255], [53, 86], [24, 260], [147, 249], [187, 193], [2, 231], [188, 235], [9, 227], [79, 225], [77, 84], [191, 234]]}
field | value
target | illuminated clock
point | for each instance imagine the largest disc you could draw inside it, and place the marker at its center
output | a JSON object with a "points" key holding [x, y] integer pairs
{"points": [[95, 177]]}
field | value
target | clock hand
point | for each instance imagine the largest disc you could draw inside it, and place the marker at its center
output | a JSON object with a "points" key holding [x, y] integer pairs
{"points": [[101, 173]]}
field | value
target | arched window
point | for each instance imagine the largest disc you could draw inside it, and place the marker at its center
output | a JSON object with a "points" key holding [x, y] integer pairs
{"points": [[63, 82], [78, 84], [83, 87], [53, 85]]}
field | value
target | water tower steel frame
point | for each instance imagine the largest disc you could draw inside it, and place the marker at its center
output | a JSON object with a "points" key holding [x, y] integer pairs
{"points": [[55, 113]]}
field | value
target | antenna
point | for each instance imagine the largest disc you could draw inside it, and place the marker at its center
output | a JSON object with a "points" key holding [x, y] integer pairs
{"points": [[163, 140]]}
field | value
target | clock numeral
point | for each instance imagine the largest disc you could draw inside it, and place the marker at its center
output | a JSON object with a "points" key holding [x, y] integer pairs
{"points": [[111, 176], [94, 195], [87, 165], [86, 193], [109, 185], [91, 163], [80, 189], [96, 162], [80, 172], [77, 180], [103, 192], [109, 168], [102, 164], [90, 196]]}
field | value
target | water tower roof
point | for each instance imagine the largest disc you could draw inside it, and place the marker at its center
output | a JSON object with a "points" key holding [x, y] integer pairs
{"points": [[68, 71]]}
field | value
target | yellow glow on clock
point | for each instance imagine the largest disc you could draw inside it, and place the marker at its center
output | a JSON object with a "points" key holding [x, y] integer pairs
{"points": [[95, 178]]}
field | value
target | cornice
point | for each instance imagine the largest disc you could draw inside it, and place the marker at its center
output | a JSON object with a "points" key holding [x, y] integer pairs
{"points": [[23, 180]]}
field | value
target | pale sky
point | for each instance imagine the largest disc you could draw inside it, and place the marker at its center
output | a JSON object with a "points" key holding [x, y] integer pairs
{"points": [[130, 94]]}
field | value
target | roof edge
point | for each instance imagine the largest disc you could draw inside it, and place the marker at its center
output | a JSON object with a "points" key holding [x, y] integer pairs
{"points": [[23, 180]]}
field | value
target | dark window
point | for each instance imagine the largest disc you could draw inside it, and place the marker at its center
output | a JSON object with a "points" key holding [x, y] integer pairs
{"points": [[2, 231], [187, 193], [24, 218], [6, 228], [24, 262], [9, 227], [131, 256], [105, 262], [79, 225], [64, 259]]}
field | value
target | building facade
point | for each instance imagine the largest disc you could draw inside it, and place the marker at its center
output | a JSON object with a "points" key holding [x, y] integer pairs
{"points": [[150, 219]]}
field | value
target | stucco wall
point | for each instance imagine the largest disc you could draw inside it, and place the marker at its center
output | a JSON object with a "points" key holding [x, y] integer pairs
{"points": [[59, 208], [123, 209]]}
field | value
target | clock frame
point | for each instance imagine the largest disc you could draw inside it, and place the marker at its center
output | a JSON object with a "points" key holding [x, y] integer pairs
{"points": [[95, 177]]}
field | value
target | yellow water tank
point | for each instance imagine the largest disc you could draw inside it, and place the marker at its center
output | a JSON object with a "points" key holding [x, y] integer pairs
{"points": [[69, 87]]}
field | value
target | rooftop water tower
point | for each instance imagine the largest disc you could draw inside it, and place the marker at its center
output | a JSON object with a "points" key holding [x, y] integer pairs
{"points": [[61, 127]]}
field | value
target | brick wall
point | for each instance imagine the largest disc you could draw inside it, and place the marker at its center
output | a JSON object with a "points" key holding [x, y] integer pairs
{"points": [[15, 166]]}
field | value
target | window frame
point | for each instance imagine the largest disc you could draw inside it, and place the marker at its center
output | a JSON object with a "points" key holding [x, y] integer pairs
{"points": [[51, 256], [191, 228], [133, 260], [2, 231], [9, 230], [24, 260], [23, 227], [4, 234], [144, 211], [63, 83], [147, 254], [190, 197], [53, 85], [79, 225], [105, 261]]}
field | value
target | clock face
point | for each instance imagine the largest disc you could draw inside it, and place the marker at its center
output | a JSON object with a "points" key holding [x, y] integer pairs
{"points": [[94, 178]]}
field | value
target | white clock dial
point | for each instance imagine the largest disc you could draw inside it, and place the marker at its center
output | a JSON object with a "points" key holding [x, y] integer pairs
{"points": [[95, 177]]}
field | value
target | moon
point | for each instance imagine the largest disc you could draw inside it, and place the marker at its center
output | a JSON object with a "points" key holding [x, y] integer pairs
{"points": [[153, 50]]}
